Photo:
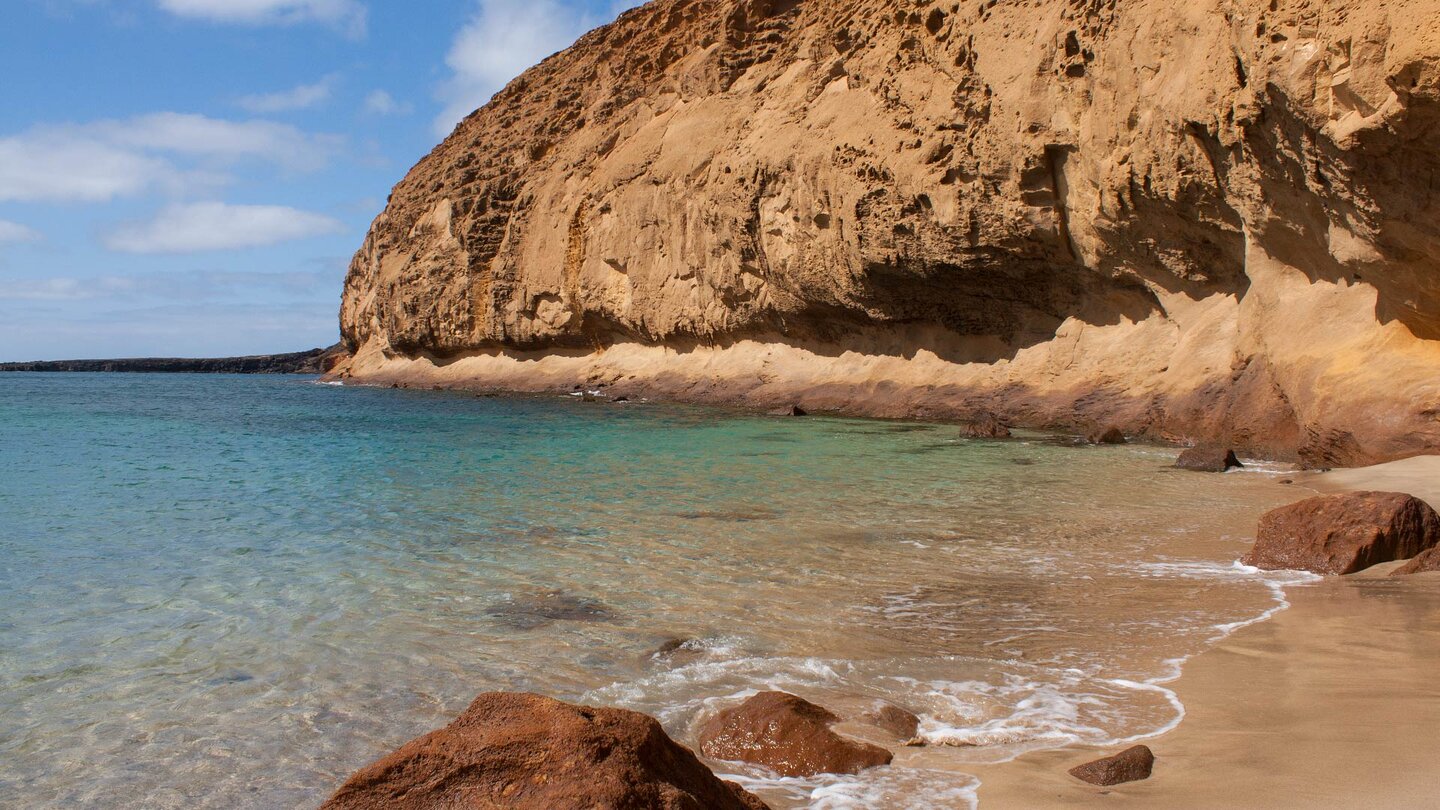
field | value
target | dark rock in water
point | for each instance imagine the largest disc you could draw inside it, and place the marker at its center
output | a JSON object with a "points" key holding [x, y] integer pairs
{"points": [[1425, 561], [529, 752], [1287, 480], [1130, 765], [985, 426], [677, 652], [587, 397], [1341, 534], [787, 734], [233, 677], [899, 722], [621, 399], [730, 515], [1207, 459], [793, 410], [530, 611], [1023, 462], [1110, 435]]}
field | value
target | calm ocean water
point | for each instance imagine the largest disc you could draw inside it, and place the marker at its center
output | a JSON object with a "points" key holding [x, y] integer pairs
{"points": [[232, 591]]}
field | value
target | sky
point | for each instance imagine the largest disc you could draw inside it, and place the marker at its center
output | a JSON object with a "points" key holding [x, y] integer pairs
{"points": [[189, 178]]}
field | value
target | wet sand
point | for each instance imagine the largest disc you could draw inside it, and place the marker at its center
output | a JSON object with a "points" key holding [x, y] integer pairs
{"points": [[1332, 703]]}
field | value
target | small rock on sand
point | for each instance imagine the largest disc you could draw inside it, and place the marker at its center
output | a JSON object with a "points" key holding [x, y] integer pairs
{"points": [[1130, 765]]}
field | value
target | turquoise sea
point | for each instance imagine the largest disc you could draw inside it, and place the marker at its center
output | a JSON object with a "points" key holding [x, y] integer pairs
{"points": [[230, 592]]}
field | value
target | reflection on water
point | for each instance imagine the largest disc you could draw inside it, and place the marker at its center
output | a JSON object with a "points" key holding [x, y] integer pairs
{"points": [[231, 592]]}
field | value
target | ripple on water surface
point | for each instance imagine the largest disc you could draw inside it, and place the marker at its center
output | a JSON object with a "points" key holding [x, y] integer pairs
{"points": [[232, 591]]}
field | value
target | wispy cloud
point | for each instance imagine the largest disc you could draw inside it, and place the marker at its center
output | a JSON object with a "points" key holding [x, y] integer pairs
{"points": [[103, 160], [502, 39], [380, 102], [197, 227], [13, 232], [347, 16], [301, 97], [199, 285]]}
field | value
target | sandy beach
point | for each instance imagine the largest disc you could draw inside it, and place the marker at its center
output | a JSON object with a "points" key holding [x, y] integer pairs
{"points": [[1331, 703]]}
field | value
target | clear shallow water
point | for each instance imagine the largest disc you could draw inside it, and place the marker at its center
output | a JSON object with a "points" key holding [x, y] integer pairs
{"points": [[233, 591]]}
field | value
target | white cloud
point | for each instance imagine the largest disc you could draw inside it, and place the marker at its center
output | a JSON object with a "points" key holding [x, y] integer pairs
{"points": [[103, 160], [346, 15], [297, 98], [502, 39], [198, 285], [380, 102], [195, 227], [14, 232]]}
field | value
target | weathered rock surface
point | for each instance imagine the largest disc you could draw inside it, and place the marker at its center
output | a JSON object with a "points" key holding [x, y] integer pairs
{"points": [[530, 752], [1130, 765], [1341, 534], [899, 722], [1209, 220], [1207, 459], [1426, 561], [787, 734]]}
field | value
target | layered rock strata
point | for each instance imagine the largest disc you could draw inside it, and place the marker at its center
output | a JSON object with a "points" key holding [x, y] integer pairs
{"points": [[1212, 220]]}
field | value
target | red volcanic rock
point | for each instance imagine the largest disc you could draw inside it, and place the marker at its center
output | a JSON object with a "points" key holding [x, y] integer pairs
{"points": [[1207, 459], [1111, 435], [1130, 765], [788, 734], [528, 752], [1428, 560], [1341, 534], [986, 426], [889, 717]]}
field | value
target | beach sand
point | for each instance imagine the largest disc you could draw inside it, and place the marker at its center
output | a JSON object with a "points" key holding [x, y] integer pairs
{"points": [[1332, 703]]}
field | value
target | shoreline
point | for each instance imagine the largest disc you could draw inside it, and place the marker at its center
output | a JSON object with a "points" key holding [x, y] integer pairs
{"points": [[1327, 702]]}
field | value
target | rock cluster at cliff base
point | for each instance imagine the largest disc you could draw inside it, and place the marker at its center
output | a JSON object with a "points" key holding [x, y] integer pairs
{"points": [[529, 752], [787, 734], [1344, 533], [1208, 459]]}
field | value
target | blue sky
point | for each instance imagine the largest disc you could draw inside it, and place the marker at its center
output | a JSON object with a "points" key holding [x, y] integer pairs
{"points": [[191, 177]]}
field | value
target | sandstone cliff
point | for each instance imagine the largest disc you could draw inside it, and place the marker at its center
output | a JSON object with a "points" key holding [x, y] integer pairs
{"points": [[1203, 219]]}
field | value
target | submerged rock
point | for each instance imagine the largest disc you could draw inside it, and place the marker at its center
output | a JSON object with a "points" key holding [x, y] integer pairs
{"points": [[792, 410], [787, 734], [1207, 459], [1130, 765], [899, 722], [529, 611], [1110, 435], [1341, 534], [530, 752], [985, 426]]}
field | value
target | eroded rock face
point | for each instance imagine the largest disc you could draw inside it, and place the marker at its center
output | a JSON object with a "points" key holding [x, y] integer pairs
{"points": [[1130, 765], [787, 734], [1203, 220], [1345, 533], [1207, 459], [533, 753]]}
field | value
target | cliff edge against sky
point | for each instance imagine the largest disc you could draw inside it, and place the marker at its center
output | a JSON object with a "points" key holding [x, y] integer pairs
{"points": [[1200, 220]]}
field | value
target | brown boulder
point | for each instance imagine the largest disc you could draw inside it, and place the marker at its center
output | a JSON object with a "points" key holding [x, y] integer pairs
{"points": [[889, 717], [1341, 534], [986, 426], [1110, 435], [788, 734], [1207, 459], [1130, 765], [1428, 560], [511, 750]]}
